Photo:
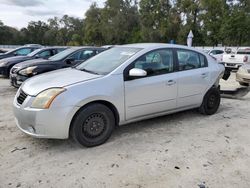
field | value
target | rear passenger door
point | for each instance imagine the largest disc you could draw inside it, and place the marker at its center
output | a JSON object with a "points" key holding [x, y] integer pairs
{"points": [[193, 77]]}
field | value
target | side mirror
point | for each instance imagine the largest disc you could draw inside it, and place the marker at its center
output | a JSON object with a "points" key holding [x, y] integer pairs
{"points": [[37, 56], [135, 72], [69, 61]]}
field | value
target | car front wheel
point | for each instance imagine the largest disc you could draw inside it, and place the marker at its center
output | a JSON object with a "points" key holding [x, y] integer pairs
{"points": [[93, 125], [211, 102]]}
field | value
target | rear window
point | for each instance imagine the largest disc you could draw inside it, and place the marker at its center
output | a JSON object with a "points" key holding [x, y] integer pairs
{"points": [[244, 52]]}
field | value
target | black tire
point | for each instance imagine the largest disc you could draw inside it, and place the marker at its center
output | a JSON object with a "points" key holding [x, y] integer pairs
{"points": [[211, 102], [243, 84], [93, 125]]}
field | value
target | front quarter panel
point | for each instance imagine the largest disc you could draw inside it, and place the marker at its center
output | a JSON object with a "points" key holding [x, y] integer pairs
{"points": [[109, 88]]}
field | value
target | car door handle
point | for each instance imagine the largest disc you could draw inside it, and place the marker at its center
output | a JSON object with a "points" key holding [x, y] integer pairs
{"points": [[171, 82], [204, 75]]}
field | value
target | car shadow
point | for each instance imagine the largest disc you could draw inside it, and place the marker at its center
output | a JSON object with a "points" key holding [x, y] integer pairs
{"points": [[237, 93]]}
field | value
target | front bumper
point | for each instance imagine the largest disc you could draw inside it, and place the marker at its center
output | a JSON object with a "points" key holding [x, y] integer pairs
{"points": [[17, 80], [4, 71], [43, 123], [243, 77]]}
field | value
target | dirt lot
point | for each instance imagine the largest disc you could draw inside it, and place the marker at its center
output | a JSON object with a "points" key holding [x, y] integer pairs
{"points": [[181, 150]]}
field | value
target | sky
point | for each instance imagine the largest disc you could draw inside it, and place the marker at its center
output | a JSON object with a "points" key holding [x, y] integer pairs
{"points": [[18, 13]]}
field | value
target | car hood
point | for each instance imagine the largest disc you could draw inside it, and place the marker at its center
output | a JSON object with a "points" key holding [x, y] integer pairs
{"points": [[32, 62], [15, 59], [59, 78]]}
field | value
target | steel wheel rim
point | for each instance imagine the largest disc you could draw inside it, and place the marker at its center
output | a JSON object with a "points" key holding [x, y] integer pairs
{"points": [[212, 101], [94, 125]]}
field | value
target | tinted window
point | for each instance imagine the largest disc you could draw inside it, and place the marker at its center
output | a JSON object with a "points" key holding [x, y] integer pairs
{"points": [[45, 54], [156, 62], [23, 51], [190, 60], [62, 54], [213, 52], [83, 55], [76, 56], [87, 54], [219, 52]]}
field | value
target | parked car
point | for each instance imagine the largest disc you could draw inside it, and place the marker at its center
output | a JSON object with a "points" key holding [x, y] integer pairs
{"points": [[24, 50], [217, 54], [234, 61], [2, 51], [243, 75], [70, 57], [121, 85], [42, 53]]}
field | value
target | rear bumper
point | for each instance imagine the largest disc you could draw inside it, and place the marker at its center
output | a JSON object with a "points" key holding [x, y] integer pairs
{"points": [[4, 71], [233, 65], [243, 77]]}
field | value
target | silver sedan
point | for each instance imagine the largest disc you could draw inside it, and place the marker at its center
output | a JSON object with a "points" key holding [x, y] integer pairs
{"points": [[121, 85]]}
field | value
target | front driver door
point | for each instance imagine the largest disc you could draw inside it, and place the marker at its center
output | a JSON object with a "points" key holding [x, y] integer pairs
{"points": [[157, 91]]}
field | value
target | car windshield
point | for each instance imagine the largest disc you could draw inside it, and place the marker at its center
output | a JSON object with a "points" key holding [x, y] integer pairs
{"points": [[62, 54], [34, 53], [10, 51], [107, 61]]}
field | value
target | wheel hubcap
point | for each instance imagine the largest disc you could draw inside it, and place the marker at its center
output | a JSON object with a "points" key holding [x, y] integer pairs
{"points": [[212, 101], [94, 125]]}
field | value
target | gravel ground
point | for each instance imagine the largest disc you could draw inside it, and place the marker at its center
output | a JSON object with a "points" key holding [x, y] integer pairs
{"points": [[181, 150]]}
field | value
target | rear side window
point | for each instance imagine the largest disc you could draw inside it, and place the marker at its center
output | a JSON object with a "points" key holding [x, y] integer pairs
{"points": [[190, 60]]}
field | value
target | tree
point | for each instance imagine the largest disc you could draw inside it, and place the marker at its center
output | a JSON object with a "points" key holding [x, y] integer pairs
{"points": [[92, 26], [155, 16], [120, 21]]}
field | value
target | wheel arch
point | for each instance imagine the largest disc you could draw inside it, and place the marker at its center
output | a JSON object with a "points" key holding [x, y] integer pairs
{"points": [[104, 102]]}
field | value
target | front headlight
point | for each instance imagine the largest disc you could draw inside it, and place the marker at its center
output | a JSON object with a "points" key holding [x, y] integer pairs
{"points": [[3, 63], [44, 99], [28, 71], [242, 70]]}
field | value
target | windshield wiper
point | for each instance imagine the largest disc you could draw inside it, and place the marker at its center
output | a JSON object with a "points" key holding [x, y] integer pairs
{"points": [[89, 71]]}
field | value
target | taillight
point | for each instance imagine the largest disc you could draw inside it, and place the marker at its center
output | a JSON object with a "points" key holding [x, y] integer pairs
{"points": [[245, 59]]}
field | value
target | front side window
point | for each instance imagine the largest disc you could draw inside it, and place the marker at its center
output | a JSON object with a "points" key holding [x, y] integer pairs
{"points": [[86, 54], [23, 51], [156, 62], [45, 54], [219, 52], [62, 55], [190, 60], [76, 56]]}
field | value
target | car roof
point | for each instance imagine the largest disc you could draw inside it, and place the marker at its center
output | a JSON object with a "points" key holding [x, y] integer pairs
{"points": [[152, 46], [51, 48], [85, 47]]}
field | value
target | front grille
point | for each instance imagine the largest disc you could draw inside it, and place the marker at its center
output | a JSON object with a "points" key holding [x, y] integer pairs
{"points": [[13, 70], [21, 98]]}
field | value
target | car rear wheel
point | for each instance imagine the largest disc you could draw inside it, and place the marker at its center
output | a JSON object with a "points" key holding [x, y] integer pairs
{"points": [[93, 125], [243, 84], [211, 102]]}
